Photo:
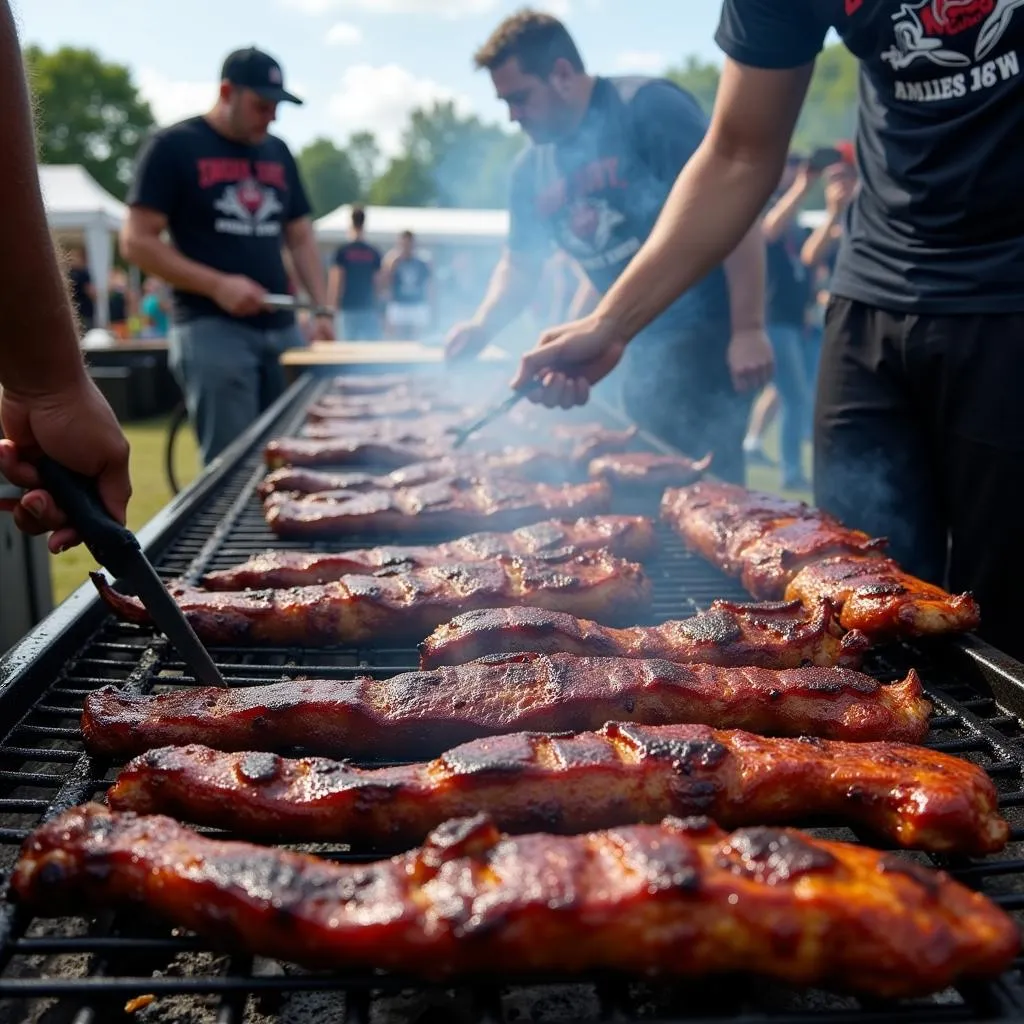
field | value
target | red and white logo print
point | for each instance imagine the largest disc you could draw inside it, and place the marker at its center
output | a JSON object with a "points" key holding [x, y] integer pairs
{"points": [[249, 201], [929, 30]]}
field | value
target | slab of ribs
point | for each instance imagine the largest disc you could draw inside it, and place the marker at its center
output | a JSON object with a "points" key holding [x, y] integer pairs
{"points": [[769, 635], [784, 549], [678, 898], [630, 537], [421, 714], [454, 506], [403, 604], [621, 775], [631, 471]]}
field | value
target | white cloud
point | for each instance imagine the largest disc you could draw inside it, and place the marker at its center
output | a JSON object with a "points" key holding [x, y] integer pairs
{"points": [[379, 99], [649, 62], [344, 33], [172, 100]]}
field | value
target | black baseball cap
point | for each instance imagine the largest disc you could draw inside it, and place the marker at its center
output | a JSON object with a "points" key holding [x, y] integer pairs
{"points": [[253, 69]]}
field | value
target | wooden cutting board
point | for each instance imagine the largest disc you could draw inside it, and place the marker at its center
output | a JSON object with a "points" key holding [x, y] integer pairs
{"points": [[376, 353]]}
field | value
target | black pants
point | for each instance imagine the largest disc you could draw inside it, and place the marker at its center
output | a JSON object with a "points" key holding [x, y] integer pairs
{"points": [[919, 437], [679, 389]]}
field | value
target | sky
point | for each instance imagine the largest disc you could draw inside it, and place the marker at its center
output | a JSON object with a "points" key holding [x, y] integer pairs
{"points": [[359, 64]]}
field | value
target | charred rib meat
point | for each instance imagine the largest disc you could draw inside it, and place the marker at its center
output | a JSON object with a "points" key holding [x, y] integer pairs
{"points": [[630, 537], [454, 505], [766, 635], [622, 775], [421, 714], [681, 897], [403, 604], [629, 470]]}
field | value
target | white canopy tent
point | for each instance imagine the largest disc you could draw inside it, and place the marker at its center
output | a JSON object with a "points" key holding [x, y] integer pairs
{"points": [[431, 225], [78, 207]]}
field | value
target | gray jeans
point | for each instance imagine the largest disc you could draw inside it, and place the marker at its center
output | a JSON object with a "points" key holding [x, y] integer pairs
{"points": [[229, 374], [358, 325]]}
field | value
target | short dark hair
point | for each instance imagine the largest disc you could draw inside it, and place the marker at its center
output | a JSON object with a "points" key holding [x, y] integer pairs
{"points": [[358, 217], [537, 40], [407, 234]]}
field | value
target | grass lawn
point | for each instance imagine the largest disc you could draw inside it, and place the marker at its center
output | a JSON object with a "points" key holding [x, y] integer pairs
{"points": [[147, 439], [151, 493]]}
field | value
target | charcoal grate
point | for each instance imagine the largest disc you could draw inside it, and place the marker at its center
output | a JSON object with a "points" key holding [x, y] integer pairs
{"points": [[87, 971]]}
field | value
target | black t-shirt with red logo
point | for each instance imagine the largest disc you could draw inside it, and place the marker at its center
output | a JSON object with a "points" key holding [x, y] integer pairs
{"points": [[360, 261], [938, 227], [226, 205]]}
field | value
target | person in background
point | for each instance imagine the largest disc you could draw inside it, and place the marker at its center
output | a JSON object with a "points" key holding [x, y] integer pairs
{"points": [[83, 290], [353, 284], [230, 196], [819, 254], [919, 426], [789, 291], [118, 304], [48, 403], [409, 285], [155, 307], [604, 155]]}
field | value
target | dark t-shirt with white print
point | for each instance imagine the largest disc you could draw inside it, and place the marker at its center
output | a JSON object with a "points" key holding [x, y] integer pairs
{"points": [[226, 205], [598, 194], [938, 226]]}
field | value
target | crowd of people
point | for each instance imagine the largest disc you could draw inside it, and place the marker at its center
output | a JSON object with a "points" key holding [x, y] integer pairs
{"points": [[664, 228]]}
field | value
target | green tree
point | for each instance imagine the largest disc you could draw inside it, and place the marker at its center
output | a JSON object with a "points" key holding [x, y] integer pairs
{"points": [[89, 112], [364, 155], [328, 175], [405, 182], [699, 77]]}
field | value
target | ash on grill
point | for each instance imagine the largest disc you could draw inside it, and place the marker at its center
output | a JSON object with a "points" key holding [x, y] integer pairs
{"points": [[88, 971]]}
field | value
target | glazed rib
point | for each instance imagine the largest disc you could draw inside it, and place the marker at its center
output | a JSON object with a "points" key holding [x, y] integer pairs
{"points": [[527, 463], [774, 636], [621, 775], [575, 443], [403, 604], [770, 543], [875, 595], [630, 537], [454, 506], [681, 897], [421, 714], [629, 470]]}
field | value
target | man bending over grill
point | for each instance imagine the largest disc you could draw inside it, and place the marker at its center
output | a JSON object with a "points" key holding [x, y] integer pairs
{"points": [[604, 156], [919, 425], [230, 195], [48, 403]]}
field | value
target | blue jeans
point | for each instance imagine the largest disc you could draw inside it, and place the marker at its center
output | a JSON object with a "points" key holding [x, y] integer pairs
{"points": [[229, 373], [794, 394], [358, 325]]}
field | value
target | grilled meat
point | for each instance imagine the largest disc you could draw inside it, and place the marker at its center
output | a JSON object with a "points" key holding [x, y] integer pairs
{"points": [[399, 447], [875, 595], [766, 635], [381, 384], [402, 604], [429, 427], [621, 775], [629, 537], [679, 898], [454, 505], [631, 470], [527, 463], [771, 543], [384, 406], [421, 714]]}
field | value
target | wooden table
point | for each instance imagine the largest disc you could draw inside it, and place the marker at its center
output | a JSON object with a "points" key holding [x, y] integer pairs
{"points": [[392, 356]]}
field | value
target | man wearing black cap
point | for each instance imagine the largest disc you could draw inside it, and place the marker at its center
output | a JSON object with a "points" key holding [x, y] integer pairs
{"points": [[230, 197]]}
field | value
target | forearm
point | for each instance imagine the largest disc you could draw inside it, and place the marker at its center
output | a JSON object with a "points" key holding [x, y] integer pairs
{"points": [[308, 267], [335, 282], [39, 350], [818, 242], [781, 215], [710, 210], [745, 273], [154, 256], [510, 290]]}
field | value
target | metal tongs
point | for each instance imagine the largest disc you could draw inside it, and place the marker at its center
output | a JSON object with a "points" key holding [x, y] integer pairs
{"points": [[495, 412], [286, 302]]}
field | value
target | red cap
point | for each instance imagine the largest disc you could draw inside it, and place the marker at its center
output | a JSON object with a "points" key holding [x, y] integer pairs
{"points": [[847, 150]]}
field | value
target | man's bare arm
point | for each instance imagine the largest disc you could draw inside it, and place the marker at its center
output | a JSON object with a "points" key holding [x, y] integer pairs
{"points": [[301, 241], [512, 286], [335, 286], [142, 244]]}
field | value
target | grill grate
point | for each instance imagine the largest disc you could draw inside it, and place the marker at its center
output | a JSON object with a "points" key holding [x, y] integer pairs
{"points": [[87, 971]]}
